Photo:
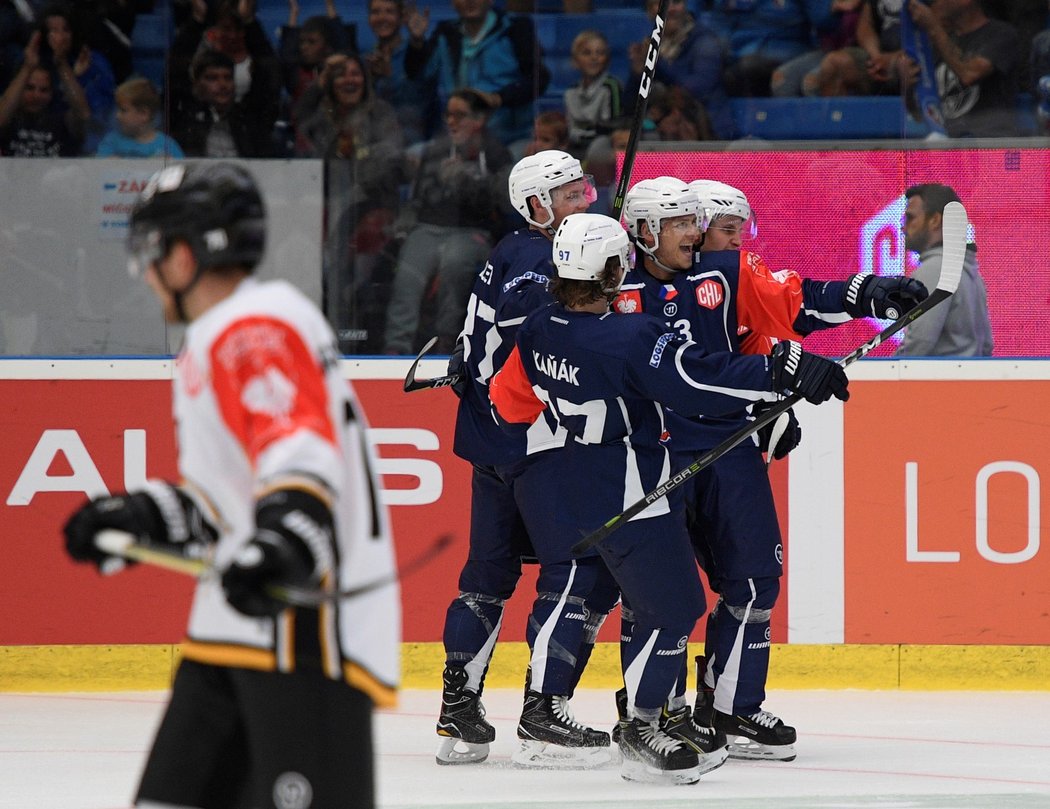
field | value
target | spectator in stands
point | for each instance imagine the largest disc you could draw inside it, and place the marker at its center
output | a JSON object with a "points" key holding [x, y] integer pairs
{"points": [[800, 76], [550, 130], [873, 65], [691, 57], [763, 34], [678, 116], [978, 65], [597, 98], [232, 30], [457, 202], [30, 126], [1039, 65], [303, 49], [959, 327], [359, 139], [413, 99], [135, 133], [485, 49], [64, 42], [212, 123]]}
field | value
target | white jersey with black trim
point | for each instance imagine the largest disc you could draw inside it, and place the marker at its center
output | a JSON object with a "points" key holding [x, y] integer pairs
{"points": [[260, 404]]}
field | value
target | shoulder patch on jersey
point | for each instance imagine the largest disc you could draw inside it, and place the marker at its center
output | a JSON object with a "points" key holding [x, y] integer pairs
{"points": [[658, 349], [710, 293], [628, 303], [536, 277]]}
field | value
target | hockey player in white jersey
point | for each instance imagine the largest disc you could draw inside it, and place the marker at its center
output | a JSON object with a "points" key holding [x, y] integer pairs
{"points": [[271, 705]]}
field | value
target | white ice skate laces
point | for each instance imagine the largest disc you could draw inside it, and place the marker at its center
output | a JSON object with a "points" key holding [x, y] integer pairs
{"points": [[657, 740], [765, 719]]}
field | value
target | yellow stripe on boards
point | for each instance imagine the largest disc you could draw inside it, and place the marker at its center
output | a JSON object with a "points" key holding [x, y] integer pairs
{"points": [[142, 667]]}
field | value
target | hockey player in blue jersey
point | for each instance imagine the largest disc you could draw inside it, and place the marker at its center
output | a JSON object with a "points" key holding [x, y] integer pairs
{"points": [[544, 188], [729, 300], [606, 379]]}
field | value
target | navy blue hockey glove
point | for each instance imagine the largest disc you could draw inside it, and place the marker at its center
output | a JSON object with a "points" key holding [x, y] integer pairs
{"points": [[292, 546], [788, 440], [813, 377], [158, 514], [885, 298], [457, 366]]}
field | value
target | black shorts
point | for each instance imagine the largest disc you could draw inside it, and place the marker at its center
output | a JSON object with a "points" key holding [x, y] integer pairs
{"points": [[244, 739]]}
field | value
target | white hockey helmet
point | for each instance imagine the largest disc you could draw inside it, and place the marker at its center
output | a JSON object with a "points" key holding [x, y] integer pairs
{"points": [[585, 242], [719, 199], [537, 175], [661, 198]]}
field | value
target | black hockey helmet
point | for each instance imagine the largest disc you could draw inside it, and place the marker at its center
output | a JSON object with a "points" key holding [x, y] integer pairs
{"points": [[214, 206]]}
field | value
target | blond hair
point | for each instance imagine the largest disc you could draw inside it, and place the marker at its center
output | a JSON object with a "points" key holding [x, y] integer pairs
{"points": [[585, 36], [139, 92]]}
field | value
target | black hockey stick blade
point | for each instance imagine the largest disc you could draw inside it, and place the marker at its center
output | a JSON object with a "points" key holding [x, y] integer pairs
{"points": [[645, 85], [411, 383], [128, 546], [955, 223]]}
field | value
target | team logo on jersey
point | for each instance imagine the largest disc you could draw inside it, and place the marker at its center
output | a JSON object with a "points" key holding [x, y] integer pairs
{"points": [[710, 294], [627, 303], [271, 392], [670, 309], [291, 790]]}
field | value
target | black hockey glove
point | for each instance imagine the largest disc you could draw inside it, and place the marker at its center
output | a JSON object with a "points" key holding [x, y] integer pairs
{"points": [[815, 378], [292, 546], [789, 439], [160, 514], [457, 366], [885, 298]]}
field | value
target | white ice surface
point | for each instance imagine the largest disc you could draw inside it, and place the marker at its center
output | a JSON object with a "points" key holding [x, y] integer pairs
{"points": [[856, 750]]}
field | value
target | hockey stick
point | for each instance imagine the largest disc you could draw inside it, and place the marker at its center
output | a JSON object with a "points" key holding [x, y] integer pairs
{"points": [[411, 383], [648, 71], [124, 545], [954, 255]]}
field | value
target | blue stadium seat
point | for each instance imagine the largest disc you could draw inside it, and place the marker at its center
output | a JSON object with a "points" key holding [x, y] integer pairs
{"points": [[823, 118], [150, 40]]}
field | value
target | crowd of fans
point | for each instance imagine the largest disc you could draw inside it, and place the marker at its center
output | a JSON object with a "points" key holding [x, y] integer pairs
{"points": [[419, 131]]}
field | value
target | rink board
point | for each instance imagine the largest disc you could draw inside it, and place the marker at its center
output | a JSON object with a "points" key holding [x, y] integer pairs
{"points": [[913, 515]]}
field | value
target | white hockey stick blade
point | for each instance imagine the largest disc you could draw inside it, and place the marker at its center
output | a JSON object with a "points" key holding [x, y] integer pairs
{"points": [[953, 234], [779, 426]]}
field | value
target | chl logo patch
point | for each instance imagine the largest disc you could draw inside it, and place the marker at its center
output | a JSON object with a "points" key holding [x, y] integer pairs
{"points": [[709, 294], [291, 790]]}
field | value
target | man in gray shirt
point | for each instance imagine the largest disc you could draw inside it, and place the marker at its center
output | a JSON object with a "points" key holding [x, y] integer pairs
{"points": [[959, 327]]}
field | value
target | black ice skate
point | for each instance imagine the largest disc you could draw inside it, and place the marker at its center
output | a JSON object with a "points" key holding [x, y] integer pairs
{"points": [[621, 714], [704, 707], [758, 736], [650, 755], [708, 743], [551, 736], [462, 722]]}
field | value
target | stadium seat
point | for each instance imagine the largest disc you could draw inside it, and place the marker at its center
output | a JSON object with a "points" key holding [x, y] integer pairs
{"points": [[823, 118]]}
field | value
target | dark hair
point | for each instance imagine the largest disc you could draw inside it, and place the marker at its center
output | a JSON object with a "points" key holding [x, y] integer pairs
{"points": [[356, 58], [206, 58], [572, 292], [934, 196], [76, 29], [556, 120], [477, 103]]}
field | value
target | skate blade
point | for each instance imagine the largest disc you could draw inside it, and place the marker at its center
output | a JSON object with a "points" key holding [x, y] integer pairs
{"points": [[457, 751], [713, 760], [540, 755], [744, 749], [639, 771]]}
